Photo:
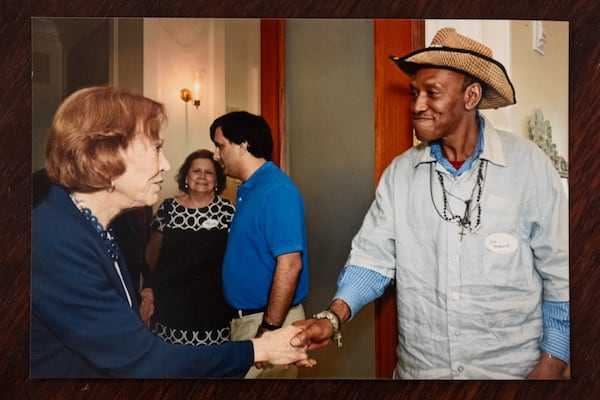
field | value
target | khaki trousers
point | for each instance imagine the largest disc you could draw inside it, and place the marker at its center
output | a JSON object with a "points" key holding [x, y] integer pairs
{"points": [[244, 328]]}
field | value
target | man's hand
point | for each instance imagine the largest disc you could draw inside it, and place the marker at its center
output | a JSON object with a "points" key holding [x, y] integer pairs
{"points": [[316, 333], [548, 368]]}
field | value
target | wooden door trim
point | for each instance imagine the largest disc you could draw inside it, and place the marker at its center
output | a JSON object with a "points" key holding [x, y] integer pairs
{"points": [[272, 83], [393, 135]]}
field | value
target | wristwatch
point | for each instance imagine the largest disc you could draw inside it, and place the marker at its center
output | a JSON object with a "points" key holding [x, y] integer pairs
{"points": [[335, 322], [268, 326]]}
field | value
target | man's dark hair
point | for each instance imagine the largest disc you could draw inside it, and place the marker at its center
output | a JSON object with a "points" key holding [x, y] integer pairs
{"points": [[241, 126]]}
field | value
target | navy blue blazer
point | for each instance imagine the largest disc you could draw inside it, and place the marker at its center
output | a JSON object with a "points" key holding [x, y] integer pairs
{"points": [[81, 322]]}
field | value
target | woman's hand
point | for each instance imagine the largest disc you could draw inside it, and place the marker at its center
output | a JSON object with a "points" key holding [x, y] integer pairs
{"points": [[274, 347]]}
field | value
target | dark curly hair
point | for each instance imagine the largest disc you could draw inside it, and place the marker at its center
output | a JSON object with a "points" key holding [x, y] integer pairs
{"points": [[185, 168]]}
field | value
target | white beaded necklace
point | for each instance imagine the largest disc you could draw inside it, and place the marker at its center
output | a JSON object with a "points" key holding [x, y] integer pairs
{"points": [[110, 244]]}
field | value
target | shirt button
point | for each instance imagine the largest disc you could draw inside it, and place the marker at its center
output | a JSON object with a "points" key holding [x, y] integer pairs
{"points": [[460, 369], [456, 258], [455, 295], [457, 333], [239, 199]]}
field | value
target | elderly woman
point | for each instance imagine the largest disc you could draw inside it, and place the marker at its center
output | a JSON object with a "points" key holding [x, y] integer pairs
{"points": [[104, 155], [185, 255]]}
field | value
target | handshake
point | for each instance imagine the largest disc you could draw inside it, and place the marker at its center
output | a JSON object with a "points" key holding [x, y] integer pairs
{"points": [[289, 345]]}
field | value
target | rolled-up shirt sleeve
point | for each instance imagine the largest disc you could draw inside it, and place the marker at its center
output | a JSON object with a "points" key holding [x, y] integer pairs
{"points": [[556, 339], [358, 286]]}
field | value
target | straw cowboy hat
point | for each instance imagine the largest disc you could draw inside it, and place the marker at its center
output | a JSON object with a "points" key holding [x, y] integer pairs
{"points": [[450, 50]]}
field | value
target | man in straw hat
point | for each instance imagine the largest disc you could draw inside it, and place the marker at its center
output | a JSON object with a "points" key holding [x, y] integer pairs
{"points": [[472, 227]]}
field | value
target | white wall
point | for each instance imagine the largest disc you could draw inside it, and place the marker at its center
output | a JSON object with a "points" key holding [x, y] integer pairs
{"points": [[242, 60], [542, 81], [175, 50], [220, 52]]}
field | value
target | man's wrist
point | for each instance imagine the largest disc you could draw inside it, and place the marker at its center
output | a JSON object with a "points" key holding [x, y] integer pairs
{"points": [[558, 368], [335, 323], [268, 326], [549, 357]]}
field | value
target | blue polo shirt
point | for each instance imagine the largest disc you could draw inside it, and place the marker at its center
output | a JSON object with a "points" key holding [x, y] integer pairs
{"points": [[268, 222]]}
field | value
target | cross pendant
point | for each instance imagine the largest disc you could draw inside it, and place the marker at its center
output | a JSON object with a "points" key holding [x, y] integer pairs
{"points": [[462, 232]]}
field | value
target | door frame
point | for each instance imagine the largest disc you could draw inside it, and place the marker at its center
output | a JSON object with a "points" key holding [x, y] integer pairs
{"points": [[272, 83]]}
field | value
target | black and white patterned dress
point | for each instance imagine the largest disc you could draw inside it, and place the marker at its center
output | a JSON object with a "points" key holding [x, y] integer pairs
{"points": [[188, 293]]}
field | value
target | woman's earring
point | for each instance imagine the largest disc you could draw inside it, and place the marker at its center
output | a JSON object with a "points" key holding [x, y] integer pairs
{"points": [[112, 187], [186, 187]]}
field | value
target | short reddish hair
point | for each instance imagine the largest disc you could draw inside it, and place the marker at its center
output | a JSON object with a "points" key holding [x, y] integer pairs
{"points": [[90, 128]]}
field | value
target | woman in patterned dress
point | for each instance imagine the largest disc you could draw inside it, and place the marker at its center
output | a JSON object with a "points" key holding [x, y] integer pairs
{"points": [[185, 253]]}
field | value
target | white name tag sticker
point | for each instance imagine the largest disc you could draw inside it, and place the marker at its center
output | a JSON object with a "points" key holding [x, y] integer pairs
{"points": [[501, 243], [210, 223]]}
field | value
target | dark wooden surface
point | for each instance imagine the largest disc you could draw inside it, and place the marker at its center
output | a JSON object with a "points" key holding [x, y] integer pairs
{"points": [[15, 164]]}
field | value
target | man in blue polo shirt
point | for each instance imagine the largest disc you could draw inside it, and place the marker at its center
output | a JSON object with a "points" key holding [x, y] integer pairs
{"points": [[265, 270]]}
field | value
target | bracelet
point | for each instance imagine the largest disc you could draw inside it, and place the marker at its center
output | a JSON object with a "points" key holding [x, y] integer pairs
{"points": [[268, 326], [335, 322]]}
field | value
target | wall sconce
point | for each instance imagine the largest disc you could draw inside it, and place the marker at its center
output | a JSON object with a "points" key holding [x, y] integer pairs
{"points": [[186, 94]]}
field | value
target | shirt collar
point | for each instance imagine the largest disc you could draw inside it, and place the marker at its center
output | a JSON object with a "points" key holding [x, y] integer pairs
{"points": [[492, 147], [251, 182]]}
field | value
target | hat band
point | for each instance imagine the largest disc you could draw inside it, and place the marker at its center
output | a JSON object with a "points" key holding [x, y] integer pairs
{"points": [[457, 50]]}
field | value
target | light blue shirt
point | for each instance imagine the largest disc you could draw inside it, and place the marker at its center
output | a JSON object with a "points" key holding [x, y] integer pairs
{"points": [[478, 308]]}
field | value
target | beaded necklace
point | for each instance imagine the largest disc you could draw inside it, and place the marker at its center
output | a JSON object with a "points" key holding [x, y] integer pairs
{"points": [[447, 215], [110, 244]]}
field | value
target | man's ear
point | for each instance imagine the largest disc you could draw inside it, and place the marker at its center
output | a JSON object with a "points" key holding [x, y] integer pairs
{"points": [[473, 94], [244, 147]]}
